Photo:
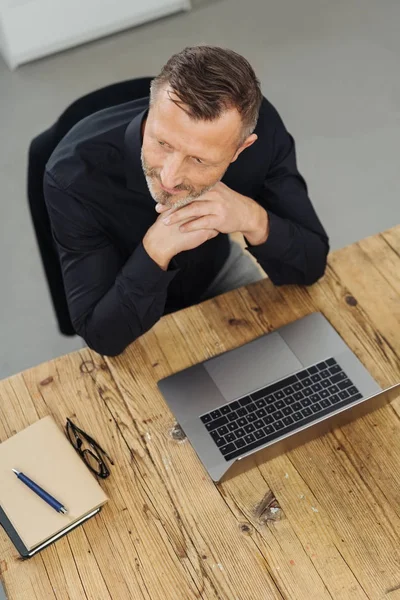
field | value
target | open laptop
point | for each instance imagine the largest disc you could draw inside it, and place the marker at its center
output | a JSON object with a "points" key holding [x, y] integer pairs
{"points": [[2, 592], [271, 395]]}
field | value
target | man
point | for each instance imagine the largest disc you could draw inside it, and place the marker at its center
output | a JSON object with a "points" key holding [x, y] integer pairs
{"points": [[142, 197]]}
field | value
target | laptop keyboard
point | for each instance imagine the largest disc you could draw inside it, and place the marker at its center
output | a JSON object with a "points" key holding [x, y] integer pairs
{"points": [[285, 406]]}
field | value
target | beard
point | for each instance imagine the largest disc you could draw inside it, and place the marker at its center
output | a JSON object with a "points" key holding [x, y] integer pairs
{"points": [[165, 198]]}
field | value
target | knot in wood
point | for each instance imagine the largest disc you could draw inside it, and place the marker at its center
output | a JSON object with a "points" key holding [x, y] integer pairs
{"points": [[245, 528], [87, 366], [237, 322], [268, 509], [177, 433], [351, 301]]}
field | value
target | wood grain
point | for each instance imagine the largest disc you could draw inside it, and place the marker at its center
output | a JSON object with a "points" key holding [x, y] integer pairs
{"points": [[322, 521]]}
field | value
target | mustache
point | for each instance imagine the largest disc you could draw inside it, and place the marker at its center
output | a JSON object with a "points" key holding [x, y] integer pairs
{"points": [[153, 173]]}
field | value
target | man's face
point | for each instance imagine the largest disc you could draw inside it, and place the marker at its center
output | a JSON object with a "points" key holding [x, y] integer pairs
{"points": [[182, 158]]}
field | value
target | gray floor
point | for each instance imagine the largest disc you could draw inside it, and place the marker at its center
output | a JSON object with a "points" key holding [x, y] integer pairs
{"points": [[331, 68]]}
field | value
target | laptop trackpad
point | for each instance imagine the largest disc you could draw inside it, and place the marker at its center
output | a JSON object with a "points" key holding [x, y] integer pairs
{"points": [[252, 366]]}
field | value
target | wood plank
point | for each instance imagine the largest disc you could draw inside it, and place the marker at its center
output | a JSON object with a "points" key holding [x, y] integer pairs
{"points": [[301, 554], [332, 298], [384, 258], [27, 579], [78, 576], [308, 300], [392, 237], [341, 314], [231, 566], [369, 288], [349, 502], [17, 409], [340, 578], [145, 556]]}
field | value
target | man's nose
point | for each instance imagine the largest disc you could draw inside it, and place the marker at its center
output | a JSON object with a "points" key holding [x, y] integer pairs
{"points": [[171, 174]]}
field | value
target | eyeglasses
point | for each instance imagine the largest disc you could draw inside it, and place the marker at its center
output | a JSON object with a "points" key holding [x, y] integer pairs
{"points": [[93, 458]]}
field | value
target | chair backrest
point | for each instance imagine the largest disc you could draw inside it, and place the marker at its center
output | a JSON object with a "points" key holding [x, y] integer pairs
{"points": [[40, 150], [111, 95]]}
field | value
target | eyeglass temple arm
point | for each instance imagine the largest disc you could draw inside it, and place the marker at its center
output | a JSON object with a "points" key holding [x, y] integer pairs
{"points": [[91, 441], [97, 446]]}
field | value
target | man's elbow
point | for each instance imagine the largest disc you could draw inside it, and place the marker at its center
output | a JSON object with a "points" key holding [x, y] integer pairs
{"points": [[107, 345], [318, 268], [107, 350], [314, 276]]}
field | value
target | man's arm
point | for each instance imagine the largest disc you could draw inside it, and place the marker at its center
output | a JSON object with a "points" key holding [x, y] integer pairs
{"points": [[111, 302], [297, 245]]}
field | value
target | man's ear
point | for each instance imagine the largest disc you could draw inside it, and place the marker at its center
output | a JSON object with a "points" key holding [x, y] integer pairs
{"points": [[246, 144]]}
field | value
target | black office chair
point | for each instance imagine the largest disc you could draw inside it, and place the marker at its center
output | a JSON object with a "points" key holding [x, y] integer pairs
{"points": [[40, 151]]}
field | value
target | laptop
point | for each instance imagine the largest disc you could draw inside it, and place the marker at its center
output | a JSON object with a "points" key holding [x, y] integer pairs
{"points": [[271, 395], [2, 592]]}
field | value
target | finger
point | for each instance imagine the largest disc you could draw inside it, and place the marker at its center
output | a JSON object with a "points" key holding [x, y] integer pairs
{"points": [[191, 211], [212, 193], [206, 222], [160, 208]]}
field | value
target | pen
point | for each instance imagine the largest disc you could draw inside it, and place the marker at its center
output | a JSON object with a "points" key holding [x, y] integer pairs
{"points": [[40, 492]]}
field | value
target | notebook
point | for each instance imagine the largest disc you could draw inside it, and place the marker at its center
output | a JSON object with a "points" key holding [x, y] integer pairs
{"points": [[43, 453]]}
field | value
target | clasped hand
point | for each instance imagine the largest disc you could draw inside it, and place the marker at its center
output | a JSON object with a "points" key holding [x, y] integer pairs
{"points": [[220, 209]]}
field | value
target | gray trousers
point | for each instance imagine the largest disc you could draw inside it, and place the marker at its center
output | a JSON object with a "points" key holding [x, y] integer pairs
{"points": [[238, 270]]}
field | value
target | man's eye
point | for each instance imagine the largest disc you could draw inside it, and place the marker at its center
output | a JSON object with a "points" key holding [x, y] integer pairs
{"points": [[199, 162], [161, 143]]}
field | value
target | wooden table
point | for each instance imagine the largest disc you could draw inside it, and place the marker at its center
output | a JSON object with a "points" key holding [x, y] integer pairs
{"points": [[320, 522]]}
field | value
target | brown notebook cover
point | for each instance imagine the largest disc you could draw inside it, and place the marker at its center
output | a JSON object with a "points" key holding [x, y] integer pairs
{"points": [[43, 453]]}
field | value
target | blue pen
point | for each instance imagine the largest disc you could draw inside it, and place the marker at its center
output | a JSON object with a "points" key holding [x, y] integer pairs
{"points": [[40, 492]]}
